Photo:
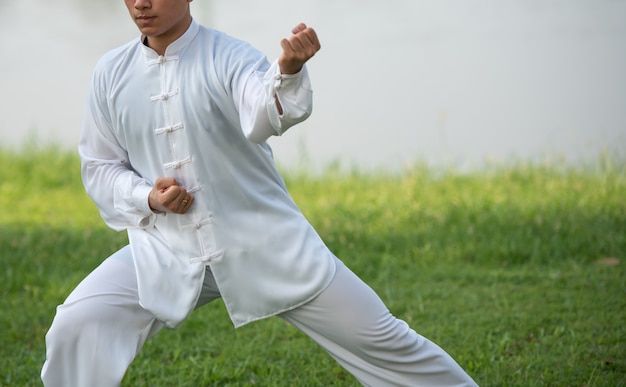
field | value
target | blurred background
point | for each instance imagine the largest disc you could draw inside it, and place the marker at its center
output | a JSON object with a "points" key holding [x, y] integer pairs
{"points": [[446, 82]]}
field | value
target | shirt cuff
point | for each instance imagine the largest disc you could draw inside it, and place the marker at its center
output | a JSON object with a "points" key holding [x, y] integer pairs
{"points": [[293, 92], [141, 195]]}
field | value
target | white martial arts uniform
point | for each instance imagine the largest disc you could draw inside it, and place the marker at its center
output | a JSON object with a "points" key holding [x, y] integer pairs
{"points": [[201, 113]]}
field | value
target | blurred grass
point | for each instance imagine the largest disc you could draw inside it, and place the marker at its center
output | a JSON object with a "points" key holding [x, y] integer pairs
{"points": [[506, 268]]}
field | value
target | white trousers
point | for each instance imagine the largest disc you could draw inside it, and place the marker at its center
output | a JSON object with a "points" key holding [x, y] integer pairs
{"points": [[100, 328]]}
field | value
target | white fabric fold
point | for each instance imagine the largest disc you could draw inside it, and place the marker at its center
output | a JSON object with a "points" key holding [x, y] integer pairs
{"points": [[219, 94]]}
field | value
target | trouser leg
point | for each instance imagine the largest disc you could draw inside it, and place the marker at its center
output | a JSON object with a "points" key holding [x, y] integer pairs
{"points": [[99, 329], [354, 326]]}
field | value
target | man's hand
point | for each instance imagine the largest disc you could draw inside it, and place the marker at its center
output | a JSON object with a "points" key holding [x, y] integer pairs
{"points": [[168, 196], [299, 48]]}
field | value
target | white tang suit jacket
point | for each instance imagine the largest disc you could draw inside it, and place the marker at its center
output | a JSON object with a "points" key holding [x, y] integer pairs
{"points": [[201, 113]]}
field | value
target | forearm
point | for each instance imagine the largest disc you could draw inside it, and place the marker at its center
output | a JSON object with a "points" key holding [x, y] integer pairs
{"points": [[119, 193], [282, 102]]}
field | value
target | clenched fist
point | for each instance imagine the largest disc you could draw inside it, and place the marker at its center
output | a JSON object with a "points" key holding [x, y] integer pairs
{"points": [[299, 48], [168, 196]]}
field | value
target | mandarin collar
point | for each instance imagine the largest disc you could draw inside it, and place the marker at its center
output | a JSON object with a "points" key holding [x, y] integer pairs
{"points": [[176, 45]]}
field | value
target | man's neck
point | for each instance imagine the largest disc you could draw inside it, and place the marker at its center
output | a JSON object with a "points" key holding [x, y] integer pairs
{"points": [[160, 43]]}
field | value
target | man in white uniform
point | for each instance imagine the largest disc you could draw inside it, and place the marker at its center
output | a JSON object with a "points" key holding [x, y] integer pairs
{"points": [[173, 150]]}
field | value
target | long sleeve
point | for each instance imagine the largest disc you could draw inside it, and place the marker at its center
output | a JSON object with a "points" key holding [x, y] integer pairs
{"points": [[260, 117], [183, 115], [118, 191]]}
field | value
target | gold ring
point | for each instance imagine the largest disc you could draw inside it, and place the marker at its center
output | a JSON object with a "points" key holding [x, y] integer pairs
{"points": [[184, 201]]}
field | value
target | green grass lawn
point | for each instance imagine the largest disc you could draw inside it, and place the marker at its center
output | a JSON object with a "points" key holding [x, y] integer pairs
{"points": [[519, 272]]}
